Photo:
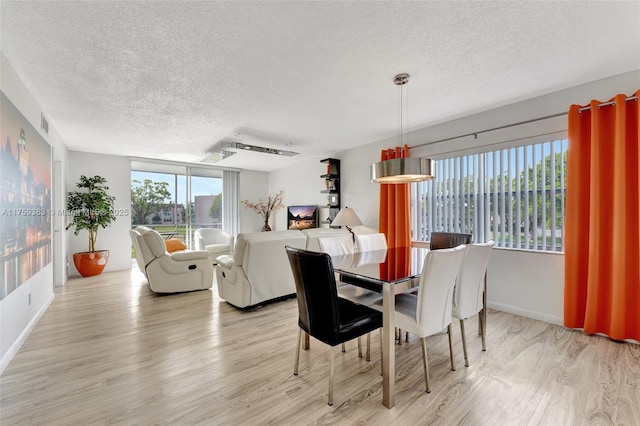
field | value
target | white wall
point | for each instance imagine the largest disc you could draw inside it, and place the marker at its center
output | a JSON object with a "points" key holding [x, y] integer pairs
{"points": [[530, 284], [117, 171], [21, 309], [525, 283], [251, 186], [301, 184]]}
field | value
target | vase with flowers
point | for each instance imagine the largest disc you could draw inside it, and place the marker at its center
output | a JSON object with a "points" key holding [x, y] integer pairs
{"points": [[265, 208]]}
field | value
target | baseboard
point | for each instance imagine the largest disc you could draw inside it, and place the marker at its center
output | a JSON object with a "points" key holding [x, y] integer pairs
{"points": [[13, 350], [526, 313]]}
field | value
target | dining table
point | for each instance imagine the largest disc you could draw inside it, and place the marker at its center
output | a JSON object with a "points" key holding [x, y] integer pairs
{"points": [[389, 272]]}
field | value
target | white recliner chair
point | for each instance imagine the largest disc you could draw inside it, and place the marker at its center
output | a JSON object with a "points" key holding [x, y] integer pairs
{"points": [[170, 272], [215, 241], [259, 269]]}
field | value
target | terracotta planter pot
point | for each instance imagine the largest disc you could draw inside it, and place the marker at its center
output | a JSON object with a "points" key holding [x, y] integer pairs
{"points": [[90, 264]]}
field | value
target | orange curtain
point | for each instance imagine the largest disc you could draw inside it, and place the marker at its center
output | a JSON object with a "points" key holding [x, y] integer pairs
{"points": [[602, 231], [394, 216]]}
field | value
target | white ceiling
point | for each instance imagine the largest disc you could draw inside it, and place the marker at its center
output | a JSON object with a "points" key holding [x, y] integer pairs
{"points": [[170, 79]]}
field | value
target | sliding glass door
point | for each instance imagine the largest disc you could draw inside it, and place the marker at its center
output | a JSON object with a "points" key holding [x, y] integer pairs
{"points": [[205, 199], [175, 200]]}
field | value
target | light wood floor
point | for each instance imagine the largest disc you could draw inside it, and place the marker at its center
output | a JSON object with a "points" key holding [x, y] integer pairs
{"points": [[108, 351]]}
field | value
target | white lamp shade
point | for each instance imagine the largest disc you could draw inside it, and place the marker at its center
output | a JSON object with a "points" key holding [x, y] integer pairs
{"points": [[346, 217]]}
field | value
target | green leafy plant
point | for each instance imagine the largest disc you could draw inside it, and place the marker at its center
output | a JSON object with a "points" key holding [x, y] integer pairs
{"points": [[90, 208], [147, 197]]}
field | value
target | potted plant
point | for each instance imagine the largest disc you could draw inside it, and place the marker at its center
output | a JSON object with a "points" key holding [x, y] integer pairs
{"points": [[90, 208]]}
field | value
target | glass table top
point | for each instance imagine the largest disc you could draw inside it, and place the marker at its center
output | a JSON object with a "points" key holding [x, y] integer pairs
{"points": [[396, 265]]}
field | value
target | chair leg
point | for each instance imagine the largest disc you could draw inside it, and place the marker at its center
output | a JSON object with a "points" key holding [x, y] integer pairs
{"points": [[331, 368], [344, 348], [368, 347], [425, 363], [295, 367], [399, 336], [307, 342], [483, 326], [464, 343], [406, 337], [453, 365], [359, 348], [482, 320], [381, 360]]}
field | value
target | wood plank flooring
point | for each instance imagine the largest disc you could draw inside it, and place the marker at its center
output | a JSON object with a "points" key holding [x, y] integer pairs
{"points": [[110, 352]]}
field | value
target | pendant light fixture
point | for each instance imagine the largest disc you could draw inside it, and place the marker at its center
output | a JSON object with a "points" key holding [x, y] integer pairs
{"points": [[402, 170]]}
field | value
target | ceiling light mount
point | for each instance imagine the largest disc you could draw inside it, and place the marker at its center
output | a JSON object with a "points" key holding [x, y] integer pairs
{"points": [[401, 79]]}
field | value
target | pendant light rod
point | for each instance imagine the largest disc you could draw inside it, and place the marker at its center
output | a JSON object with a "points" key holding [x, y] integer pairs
{"points": [[401, 80]]}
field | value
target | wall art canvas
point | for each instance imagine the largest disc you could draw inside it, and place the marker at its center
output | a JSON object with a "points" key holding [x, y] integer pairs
{"points": [[25, 199], [302, 217]]}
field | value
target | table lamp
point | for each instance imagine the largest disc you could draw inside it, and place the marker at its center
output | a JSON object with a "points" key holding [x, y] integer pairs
{"points": [[347, 217]]}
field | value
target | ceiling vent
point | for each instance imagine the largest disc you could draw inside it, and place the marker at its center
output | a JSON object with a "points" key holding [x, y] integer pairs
{"points": [[215, 156]]}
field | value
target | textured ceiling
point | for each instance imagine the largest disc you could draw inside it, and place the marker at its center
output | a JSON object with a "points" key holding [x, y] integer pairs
{"points": [[170, 79]]}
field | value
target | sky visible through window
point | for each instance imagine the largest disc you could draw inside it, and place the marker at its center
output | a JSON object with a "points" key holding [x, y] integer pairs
{"points": [[199, 185]]}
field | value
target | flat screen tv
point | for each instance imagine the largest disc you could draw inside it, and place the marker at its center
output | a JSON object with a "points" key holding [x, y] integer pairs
{"points": [[302, 217]]}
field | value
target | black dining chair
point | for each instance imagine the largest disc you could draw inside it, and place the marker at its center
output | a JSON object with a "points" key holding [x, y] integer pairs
{"points": [[321, 313], [445, 240]]}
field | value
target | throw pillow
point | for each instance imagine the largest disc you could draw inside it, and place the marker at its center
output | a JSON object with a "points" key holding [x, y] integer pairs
{"points": [[174, 244]]}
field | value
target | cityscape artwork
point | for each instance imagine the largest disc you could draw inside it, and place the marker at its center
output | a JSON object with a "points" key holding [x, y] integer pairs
{"points": [[25, 199]]}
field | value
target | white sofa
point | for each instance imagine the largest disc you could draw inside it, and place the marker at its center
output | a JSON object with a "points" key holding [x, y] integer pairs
{"points": [[314, 234], [259, 270], [170, 272]]}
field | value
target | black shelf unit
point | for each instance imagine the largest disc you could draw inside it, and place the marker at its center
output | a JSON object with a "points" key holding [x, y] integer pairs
{"points": [[331, 207]]}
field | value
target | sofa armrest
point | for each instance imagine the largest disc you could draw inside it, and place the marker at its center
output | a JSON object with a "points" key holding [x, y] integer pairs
{"points": [[198, 242], [190, 255], [225, 261]]}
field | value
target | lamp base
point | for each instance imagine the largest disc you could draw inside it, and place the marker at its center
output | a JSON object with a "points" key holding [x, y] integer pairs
{"points": [[353, 235]]}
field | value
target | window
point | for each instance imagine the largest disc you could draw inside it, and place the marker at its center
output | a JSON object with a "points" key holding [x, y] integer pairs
{"points": [[175, 199], [514, 196]]}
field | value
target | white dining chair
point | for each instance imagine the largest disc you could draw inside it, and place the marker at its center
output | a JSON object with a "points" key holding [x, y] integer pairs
{"points": [[429, 312], [469, 295], [371, 242]]}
